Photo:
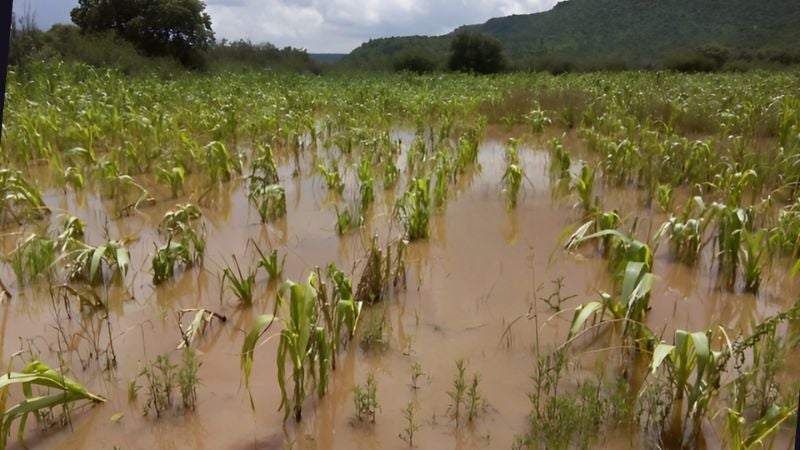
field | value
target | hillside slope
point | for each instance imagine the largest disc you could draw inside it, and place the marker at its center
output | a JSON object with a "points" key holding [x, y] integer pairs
{"points": [[639, 32]]}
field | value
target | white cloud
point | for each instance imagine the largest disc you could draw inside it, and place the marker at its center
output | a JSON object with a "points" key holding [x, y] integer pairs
{"points": [[332, 25]]}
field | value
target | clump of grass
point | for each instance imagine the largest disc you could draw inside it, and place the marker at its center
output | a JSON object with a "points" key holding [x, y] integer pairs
{"points": [[457, 393], [416, 374], [412, 426], [188, 378], [365, 399], [162, 378], [474, 400], [159, 381]]}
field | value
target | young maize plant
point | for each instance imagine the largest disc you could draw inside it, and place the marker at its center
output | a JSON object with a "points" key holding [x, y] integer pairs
{"points": [[414, 209], [270, 201], [307, 340], [271, 263], [34, 257], [584, 185], [172, 177], [560, 161], [537, 119], [61, 391], [241, 284], [219, 163], [19, 200], [86, 262], [333, 179], [512, 178], [690, 354], [185, 245]]}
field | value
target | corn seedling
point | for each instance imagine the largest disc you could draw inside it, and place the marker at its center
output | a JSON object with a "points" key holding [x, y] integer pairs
{"points": [[180, 219], [32, 258], [560, 161], [19, 200], [413, 209], [87, 262], [630, 306], [753, 248], [271, 263], [333, 179], [690, 354], [307, 340], [264, 169], [270, 201], [390, 174], [71, 231], [366, 187], [166, 258], [537, 120], [173, 178], [61, 391], [240, 284], [584, 185], [347, 219], [512, 178], [219, 163]]}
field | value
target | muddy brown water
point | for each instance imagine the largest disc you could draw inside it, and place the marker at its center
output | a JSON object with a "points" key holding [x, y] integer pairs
{"points": [[477, 273]]}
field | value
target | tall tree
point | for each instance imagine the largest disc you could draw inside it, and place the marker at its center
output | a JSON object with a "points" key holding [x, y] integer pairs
{"points": [[177, 28], [471, 51]]}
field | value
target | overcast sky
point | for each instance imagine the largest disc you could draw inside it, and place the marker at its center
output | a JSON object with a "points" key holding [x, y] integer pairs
{"points": [[336, 26]]}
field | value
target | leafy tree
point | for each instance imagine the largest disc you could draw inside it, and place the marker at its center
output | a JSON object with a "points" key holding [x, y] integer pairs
{"points": [[417, 60], [177, 28], [476, 52]]}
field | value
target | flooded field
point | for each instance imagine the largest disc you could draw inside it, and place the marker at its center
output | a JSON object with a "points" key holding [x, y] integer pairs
{"points": [[494, 285]]}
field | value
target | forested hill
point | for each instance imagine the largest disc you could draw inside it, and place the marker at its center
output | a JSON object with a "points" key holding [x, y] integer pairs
{"points": [[638, 33]]}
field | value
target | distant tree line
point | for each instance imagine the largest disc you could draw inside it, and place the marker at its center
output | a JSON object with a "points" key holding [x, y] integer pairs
{"points": [[474, 52]]}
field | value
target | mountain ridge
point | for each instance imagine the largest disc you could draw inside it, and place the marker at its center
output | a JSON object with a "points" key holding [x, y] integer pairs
{"points": [[640, 33]]}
